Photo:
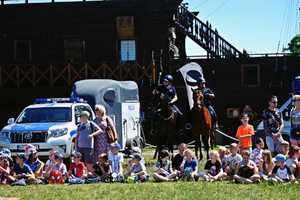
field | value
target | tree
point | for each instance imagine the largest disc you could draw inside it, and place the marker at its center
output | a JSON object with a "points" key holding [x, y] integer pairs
{"points": [[294, 45]]}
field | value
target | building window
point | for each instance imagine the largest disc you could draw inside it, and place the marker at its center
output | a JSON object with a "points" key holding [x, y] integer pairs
{"points": [[22, 51], [250, 75], [74, 50], [128, 50]]}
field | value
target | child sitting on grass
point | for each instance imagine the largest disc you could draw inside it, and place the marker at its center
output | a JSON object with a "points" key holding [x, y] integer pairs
{"points": [[116, 160], [213, 168], [293, 161], [232, 160], [163, 171], [5, 169], [281, 173], [246, 172], [223, 154], [189, 166], [58, 172], [266, 165], [245, 132], [256, 154], [101, 170], [137, 171], [22, 173], [77, 170]]}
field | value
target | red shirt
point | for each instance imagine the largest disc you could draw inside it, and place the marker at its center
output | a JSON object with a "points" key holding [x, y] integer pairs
{"points": [[77, 169], [244, 134]]}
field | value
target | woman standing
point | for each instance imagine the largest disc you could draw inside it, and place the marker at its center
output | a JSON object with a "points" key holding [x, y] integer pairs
{"points": [[102, 144]]}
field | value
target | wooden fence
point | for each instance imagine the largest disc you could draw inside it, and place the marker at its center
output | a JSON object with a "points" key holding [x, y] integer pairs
{"points": [[33, 75]]}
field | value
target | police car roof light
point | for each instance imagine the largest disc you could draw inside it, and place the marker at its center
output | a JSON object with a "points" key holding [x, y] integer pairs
{"points": [[59, 100]]}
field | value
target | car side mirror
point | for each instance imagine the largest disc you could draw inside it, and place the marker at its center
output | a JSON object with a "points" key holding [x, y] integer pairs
{"points": [[10, 121]]}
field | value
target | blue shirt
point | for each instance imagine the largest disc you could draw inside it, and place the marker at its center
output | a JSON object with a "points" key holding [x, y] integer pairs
{"points": [[24, 170], [192, 164], [33, 166], [84, 130]]}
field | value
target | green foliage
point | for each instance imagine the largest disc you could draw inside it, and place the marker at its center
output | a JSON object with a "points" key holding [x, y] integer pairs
{"points": [[294, 45]]}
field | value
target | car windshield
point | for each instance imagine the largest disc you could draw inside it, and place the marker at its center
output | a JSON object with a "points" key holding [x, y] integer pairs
{"points": [[45, 115]]}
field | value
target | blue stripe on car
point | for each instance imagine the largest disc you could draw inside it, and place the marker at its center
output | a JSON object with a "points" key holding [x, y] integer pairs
{"points": [[72, 133]]}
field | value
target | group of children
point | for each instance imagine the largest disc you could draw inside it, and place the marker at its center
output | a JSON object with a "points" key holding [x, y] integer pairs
{"points": [[242, 166], [28, 169]]}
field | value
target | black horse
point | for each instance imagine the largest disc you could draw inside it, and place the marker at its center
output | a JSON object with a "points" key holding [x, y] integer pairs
{"points": [[167, 127]]}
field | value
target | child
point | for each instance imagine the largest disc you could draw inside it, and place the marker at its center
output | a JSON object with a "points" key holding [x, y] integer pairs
{"points": [[233, 160], [58, 171], [34, 163], [284, 148], [246, 171], [5, 169], [177, 160], [281, 173], [116, 160], [189, 166], [137, 171], [76, 173], [293, 161], [163, 168], [213, 168], [50, 163], [21, 172], [245, 132], [266, 165], [256, 155], [223, 154], [101, 170]]}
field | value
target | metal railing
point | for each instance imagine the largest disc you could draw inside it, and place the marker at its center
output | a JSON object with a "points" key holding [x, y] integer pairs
{"points": [[203, 35]]}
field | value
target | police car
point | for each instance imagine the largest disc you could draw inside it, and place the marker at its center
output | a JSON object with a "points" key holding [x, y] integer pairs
{"points": [[47, 124]]}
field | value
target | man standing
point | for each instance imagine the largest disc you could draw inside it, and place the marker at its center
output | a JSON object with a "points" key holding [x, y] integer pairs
{"points": [[273, 122]]}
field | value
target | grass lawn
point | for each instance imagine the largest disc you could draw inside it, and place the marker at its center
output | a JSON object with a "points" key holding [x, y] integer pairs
{"points": [[178, 190]]}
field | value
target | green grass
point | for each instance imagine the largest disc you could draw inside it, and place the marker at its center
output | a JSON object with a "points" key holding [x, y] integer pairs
{"points": [[156, 191]]}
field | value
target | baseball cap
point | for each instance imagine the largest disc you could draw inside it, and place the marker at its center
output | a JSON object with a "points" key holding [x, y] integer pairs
{"points": [[21, 156], [279, 157], [115, 145], [84, 113]]}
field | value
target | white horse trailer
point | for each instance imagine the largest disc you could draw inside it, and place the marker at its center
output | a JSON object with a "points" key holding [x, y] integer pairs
{"points": [[121, 100]]}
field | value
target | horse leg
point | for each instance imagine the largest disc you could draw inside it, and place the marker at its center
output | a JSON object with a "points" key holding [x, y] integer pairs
{"points": [[196, 147], [200, 146], [205, 139], [212, 138]]}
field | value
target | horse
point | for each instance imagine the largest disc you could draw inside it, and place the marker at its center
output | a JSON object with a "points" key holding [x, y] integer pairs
{"points": [[167, 127], [202, 124]]}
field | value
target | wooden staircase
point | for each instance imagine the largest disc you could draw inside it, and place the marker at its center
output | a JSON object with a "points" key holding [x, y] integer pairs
{"points": [[202, 33]]}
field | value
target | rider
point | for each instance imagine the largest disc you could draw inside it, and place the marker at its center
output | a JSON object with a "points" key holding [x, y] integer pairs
{"points": [[168, 93], [208, 97]]}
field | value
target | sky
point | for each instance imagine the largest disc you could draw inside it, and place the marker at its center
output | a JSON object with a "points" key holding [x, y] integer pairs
{"points": [[257, 26]]}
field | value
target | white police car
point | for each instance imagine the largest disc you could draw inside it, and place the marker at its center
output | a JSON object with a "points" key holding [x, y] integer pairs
{"points": [[47, 124]]}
